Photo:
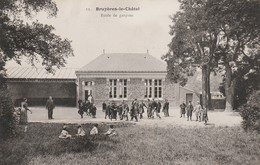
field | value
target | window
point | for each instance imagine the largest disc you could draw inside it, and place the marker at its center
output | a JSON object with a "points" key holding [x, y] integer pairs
{"points": [[153, 89], [118, 88], [157, 88], [112, 88], [89, 83], [148, 88], [122, 88]]}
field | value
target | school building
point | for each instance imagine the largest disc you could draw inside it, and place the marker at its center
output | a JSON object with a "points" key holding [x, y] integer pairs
{"points": [[116, 76]]}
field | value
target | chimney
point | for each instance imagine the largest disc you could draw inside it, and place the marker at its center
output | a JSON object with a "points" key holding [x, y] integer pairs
{"points": [[104, 51], [147, 51]]}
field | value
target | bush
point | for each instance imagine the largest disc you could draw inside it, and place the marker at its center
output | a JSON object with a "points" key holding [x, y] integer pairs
{"points": [[7, 120], [250, 113]]}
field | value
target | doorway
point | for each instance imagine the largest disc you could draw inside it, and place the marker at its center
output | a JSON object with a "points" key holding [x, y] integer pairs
{"points": [[87, 93]]}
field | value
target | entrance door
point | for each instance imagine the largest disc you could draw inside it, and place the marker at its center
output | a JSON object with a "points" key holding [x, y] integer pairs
{"points": [[189, 97], [87, 93]]}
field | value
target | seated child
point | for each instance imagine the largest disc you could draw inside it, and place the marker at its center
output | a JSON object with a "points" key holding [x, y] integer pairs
{"points": [[111, 131], [81, 132], [64, 133], [94, 130]]}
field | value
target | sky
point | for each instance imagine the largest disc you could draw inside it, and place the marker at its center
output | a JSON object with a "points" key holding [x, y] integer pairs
{"points": [[92, 31]]}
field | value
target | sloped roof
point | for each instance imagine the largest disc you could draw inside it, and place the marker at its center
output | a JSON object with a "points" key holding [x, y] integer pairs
{"points": [[125, 62], [40, 73]]}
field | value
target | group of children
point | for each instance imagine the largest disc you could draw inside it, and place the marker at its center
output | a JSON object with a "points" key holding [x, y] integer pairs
{"points": [[136, 110], [88, 107], [200, 113], [94, 131]]}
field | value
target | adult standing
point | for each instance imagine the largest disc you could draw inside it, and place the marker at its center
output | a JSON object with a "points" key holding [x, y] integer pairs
{"points": [[166, 108], [91, 99], [182, 109], [189, 110], [104, 106], [50, 106], [107, 112], [24, 116]]}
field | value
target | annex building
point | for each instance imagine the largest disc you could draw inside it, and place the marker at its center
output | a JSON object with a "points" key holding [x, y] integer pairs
{"points": [[115, 76]]}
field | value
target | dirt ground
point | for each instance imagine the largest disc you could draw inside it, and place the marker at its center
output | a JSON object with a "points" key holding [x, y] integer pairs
{"points": [[70, 115]]}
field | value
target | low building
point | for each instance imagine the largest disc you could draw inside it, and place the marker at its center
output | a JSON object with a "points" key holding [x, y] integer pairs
{"points": [[37, 85], [121, 76], [117, 76]]}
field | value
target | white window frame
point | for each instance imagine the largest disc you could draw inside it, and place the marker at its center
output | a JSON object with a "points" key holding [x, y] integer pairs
{"points": [[153, 88], [118, 88]]}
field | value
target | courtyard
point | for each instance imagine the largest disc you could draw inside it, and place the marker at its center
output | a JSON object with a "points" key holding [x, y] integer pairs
{"points": [[70, 115]]}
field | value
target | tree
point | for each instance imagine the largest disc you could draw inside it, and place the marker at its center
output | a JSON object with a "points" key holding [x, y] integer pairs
{"points": [[239, 24], [215, 34], [31, 40], [193, 45]]}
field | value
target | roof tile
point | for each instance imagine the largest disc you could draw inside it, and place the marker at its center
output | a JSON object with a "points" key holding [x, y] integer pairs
{"points": [[125, 62]]}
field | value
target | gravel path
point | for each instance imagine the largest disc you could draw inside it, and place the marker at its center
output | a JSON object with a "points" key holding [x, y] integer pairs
{"points": [[70, 115]]}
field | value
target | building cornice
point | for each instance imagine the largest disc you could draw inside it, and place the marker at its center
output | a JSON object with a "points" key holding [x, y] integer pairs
{"points": [[83, 71], [127, 75]]}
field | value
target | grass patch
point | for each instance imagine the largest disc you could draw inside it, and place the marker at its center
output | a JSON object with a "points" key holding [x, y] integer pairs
{"points": [[134, 145]]}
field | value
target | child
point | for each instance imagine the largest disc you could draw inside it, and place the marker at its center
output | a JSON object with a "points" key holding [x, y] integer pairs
{"points": [[125, 111], [111, 131], [205, 116], [64, 133], [80, 111], [197, 110], [93, 111], [94, 130], [104, 106], [81, 132]]}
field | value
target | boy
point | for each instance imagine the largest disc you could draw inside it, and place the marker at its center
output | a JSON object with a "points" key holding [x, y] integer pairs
{"points": [[125, 110], [166, 108], [111, 131], [205, 116], [94, 130], [81, 132], [197, 111], [141, 109], [64, 133], [93, 111]]}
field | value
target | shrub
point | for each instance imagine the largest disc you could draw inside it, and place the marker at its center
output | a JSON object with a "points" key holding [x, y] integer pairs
{"points": [[7, 120], [250, 113]]}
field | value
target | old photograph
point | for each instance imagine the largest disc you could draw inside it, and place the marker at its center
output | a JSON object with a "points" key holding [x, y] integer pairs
{"points": [[129, 82]]}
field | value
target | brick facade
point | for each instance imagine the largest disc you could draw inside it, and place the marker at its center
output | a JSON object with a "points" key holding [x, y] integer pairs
{"points": [[135, 89]]}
